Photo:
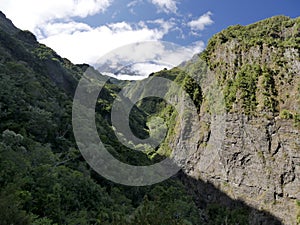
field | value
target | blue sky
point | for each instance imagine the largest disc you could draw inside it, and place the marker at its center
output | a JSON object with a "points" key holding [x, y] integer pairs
{"points": [[84, 30]]}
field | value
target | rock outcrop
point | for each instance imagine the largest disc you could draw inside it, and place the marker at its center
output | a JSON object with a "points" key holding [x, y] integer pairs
{"points": [[250, 150]]}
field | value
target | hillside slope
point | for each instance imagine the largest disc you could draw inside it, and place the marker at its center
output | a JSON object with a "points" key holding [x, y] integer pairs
{"points": [[249, 136], [43, 178]]}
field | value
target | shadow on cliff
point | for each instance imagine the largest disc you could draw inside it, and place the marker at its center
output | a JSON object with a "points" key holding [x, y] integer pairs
{"points": [[206, 196]]}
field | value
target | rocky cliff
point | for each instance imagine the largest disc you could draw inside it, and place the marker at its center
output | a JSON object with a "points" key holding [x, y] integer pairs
{"points": [[250, 148]]}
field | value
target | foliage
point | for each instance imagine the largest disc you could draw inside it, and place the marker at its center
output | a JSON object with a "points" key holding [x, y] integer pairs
{"points": [[219, 215], [298, 212], [243, 88], [159, 208], [241, 45], [269, 91], [267, 32], [285, 114], [43, 177], [193, 90]]}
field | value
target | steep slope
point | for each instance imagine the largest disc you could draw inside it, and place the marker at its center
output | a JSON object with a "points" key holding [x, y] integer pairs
{"points": [[258, 68], [250, 147], [43, 177]]}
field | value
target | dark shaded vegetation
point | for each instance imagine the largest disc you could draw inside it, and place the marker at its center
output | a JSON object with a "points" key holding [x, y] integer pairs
{"points": [[217, 208]]}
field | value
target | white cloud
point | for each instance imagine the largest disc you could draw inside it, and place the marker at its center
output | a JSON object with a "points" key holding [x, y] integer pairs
{"points": [[197, 47], [81, 43], [145, 57], [52, 29], [141, 52], [166, 6], [166, 25], [121, 26], [140, 71], [201, 22], [146, 68], [131, 5], [29, 14], [125, 76], [134, 3]]}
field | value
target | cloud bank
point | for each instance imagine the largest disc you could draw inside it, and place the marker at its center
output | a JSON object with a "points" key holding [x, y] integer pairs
{"points": [[82, 43], [30, 14], [202, 22], [142, 58]]}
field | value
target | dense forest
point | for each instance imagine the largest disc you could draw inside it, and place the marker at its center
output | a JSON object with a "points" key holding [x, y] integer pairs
{"points": [[44, 180]]}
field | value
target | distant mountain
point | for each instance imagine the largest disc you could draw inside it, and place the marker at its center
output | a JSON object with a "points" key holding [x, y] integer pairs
{"points": [[142, 59], [133, 71]]}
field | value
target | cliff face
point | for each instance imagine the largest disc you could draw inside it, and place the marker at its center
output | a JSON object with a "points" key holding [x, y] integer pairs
{"points": [[254, 160], [251, 149]]}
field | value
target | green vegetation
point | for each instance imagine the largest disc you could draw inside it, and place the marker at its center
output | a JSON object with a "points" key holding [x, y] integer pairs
{"points": [[297, 119], [194, 91], [298, 212], [250, 83], [269, 91], [267, 32], [36, 185], [243, 88], [285, 114], [43, 178], [223, 215]]}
